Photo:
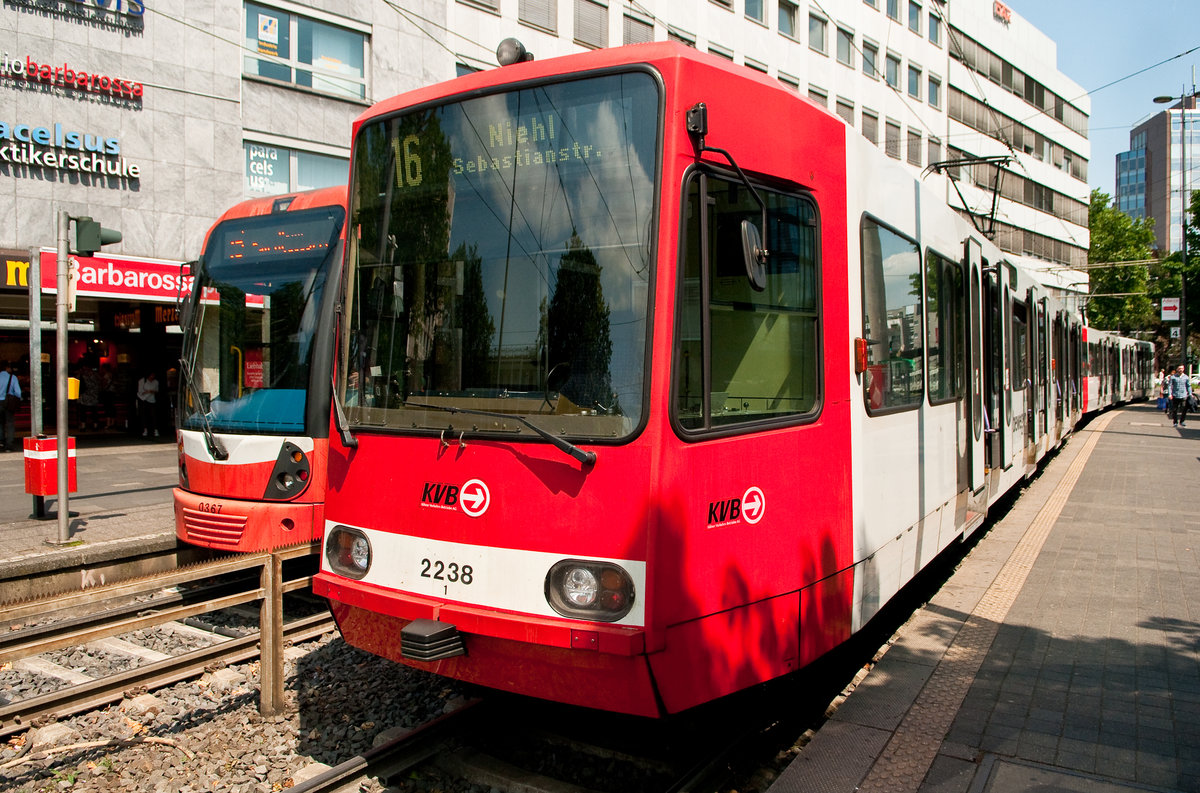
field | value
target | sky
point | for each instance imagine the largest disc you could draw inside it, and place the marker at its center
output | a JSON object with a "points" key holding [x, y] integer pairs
{"points": [[1103, 41]]}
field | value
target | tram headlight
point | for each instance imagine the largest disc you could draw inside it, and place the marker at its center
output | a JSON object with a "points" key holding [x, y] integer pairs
{"points": [[348, 552], [589, 590]]}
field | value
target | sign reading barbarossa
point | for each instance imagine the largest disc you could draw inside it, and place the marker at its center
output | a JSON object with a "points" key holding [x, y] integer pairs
{"points": [[67, 76]]}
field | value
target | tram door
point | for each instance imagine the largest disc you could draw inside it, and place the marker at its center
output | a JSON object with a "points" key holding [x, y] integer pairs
{"points": [[973, 254], [997, 403], [1034, 377]]}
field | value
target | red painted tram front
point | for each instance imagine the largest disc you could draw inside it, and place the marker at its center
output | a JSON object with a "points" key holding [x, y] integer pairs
{"points": [[597, 443], [256, 374]]}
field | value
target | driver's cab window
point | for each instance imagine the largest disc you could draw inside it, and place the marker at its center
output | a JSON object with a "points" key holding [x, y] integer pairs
{"points": [[745, 355]]}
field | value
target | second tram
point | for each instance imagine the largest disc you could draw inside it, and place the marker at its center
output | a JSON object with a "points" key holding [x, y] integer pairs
{"points": [[255, 374]]}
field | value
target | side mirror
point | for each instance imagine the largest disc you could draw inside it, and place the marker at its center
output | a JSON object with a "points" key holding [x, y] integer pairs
{"points": [[754, 256]]}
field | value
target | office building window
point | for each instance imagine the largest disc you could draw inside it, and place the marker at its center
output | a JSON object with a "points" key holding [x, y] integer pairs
{"points": [[914, 81], [892, 70], [787, 18], [934, 148], [591, 23], [272, 170], [636, 31], [305, 52], [935, 29], [935, 92], [818, 95], [915, 12], [791, 82], [891, 138], [756, 65], [870, 126], [845, 109], [816, 33], [674, 34], [754, 10], [720, 52], [870, 59], [914, 147], [539, 13], [893, 9], [845, 46]]}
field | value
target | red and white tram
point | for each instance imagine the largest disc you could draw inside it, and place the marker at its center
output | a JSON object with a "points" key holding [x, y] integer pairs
{"points": [[635, 427], [256, 374]]}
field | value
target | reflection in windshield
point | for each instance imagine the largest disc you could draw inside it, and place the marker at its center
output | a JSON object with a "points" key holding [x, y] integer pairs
{"points": [[253, 320], [501, 259]]}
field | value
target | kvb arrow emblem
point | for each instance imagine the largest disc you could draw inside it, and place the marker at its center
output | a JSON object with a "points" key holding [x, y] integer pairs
{"points": [[474, 498], [754, 505]]}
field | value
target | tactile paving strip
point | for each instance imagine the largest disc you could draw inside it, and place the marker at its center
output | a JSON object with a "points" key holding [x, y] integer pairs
{"points": [[908, 755]]}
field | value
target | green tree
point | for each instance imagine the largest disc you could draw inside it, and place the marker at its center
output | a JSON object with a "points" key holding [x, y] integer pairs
{"points": [[1116, 237]]}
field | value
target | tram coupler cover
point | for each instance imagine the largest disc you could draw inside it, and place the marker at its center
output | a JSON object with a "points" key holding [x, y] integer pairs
{"points": [[41, 465], [430, 640]]}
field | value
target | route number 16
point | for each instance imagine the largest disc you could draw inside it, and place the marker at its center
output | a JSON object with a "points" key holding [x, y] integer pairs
{"points": [[408, 161]]}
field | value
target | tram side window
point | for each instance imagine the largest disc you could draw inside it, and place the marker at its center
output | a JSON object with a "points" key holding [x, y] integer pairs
{"points": [[892, 319], [945, 332], [1020, 345], [742, 355]]}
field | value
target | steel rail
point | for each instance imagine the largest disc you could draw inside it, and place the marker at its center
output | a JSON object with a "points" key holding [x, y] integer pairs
{"points": [[269, 589], [19, 716], [389, 760]]}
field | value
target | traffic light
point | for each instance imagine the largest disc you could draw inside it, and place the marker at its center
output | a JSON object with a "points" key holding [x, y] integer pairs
{"points": [[90, 235]]}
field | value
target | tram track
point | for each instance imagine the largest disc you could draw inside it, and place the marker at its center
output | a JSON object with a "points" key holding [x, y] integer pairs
{"points": [[94, 617]]}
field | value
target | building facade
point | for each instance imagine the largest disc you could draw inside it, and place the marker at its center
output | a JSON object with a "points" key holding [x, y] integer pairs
{"points": [[154, 116], [1157, 173]]}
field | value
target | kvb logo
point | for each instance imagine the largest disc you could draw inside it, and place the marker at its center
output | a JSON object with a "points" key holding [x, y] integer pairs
{"points": [[750, 508], [473, 498]]}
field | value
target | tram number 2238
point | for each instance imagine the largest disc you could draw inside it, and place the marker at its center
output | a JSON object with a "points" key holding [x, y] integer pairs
{"points": [[408, 160], [451, 572]]}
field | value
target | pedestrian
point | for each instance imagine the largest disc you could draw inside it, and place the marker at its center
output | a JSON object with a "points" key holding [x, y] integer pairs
{"points": [[1179, 385], [9, 403], [147, 396], [89, 398], [108, 396], [1164, 400]]}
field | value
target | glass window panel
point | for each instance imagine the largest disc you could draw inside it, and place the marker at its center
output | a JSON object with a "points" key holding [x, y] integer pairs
{"points": [[891, 319], [538, 309], [892, 71], [258, 293], [945, 329], [268, 169], [870, 60], [746, 356], [845, 46], [787, 18], [319, 170], [268, 32], [816, 33]]}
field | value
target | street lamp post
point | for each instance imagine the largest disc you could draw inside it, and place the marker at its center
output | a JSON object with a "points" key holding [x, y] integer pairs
{"points": [[1183, 219]]}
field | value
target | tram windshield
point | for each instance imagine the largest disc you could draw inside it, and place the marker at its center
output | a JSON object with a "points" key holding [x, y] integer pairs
{"points": [[500, 261], [252, 321]]}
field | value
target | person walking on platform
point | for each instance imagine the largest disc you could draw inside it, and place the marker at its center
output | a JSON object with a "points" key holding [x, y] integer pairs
{"points": [[10, 400], [1179, 387]]}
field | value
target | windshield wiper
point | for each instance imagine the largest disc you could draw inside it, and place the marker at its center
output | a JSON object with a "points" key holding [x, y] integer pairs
{"points": [[210, 439], [585, 458], [339, 418]]}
